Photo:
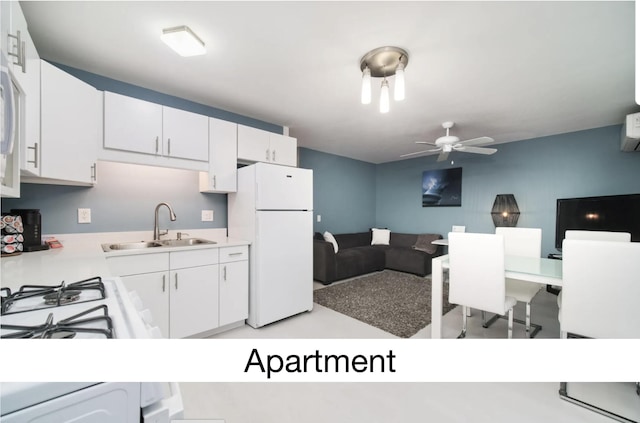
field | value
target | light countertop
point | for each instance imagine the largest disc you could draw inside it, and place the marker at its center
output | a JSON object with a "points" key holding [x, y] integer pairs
{"points": [[82, 257]]}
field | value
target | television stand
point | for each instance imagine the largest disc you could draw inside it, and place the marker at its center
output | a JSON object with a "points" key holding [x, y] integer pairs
{"points": [[550, 288]]}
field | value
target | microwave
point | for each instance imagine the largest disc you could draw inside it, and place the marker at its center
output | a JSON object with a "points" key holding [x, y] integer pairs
{"points": [[11, 102]]}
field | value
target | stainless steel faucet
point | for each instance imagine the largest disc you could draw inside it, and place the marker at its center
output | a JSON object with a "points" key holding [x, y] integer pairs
{"points": [[156, 232]]}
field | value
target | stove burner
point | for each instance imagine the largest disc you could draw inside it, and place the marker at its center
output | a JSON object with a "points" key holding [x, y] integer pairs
{"points": [[66, 328], [61, 297], [33, 297]]}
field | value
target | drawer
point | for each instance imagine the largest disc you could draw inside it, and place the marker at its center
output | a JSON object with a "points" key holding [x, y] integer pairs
{"points": [[230, 254], [193, 258], [138, 263]]}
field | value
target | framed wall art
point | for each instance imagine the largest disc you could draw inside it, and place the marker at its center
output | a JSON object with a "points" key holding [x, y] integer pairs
{"points": [[442, 188]]}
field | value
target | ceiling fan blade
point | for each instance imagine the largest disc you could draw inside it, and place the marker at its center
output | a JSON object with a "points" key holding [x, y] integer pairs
{"points": [[477, 150], [424, 142], [416, 153], [477, 141], [443, 156]]}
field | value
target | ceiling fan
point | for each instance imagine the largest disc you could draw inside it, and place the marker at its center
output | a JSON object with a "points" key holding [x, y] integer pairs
{"points": [[450, 143]]}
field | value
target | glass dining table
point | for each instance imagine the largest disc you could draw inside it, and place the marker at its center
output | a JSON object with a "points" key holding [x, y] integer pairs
{"points": [[532, 269]]}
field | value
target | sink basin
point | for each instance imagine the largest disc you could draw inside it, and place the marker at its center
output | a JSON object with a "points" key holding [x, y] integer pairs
{"points": [[130, 246], [186, 242]]}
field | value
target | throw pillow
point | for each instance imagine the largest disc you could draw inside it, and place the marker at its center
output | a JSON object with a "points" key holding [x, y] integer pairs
{"points": [[330, 238], [380, 236]]}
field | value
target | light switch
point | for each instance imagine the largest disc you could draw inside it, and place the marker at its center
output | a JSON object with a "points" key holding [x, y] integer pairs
{"points": [[84, 215], [319, 218], [207, 215]]}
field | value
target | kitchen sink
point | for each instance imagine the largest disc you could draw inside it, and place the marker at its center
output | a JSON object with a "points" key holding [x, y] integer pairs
{"points": [[185, 242]]}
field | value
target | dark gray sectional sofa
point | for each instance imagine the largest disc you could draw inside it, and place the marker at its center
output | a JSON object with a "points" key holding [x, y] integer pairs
{"points": [[356, 256]]}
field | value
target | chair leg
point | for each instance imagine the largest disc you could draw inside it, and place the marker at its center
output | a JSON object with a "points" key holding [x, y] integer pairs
{"points": [[565, 396], [527, 320], [510, 331], [464, 323]]}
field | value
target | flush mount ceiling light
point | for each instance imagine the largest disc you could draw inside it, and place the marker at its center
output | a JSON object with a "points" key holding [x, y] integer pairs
{"points": [[183, 41], [384, 62]]}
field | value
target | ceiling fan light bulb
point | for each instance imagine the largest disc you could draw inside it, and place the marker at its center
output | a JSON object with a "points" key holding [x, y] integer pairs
{"points": [[384, 96], [398, 93], [366, 86]]}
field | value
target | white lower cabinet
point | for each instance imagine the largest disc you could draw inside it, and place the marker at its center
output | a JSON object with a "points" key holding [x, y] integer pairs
{"points": [[188, 292], [193, 301], [234, 284]]}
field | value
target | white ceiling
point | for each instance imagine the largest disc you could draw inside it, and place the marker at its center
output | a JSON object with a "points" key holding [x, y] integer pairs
{"points": [[507, 70]]}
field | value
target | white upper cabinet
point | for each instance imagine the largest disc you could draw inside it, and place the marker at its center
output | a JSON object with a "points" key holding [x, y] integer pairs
{"points": [[284, 150], [70, 127], [131, 124], [256, 145], [185, 134], [25, 63], [162, 133], [223, 147]]}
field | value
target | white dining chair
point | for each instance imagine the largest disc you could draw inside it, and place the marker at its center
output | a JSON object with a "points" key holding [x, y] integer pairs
{"points": [[598, 235], [600, 293], [600, 289], [476, 275], [525, 242]]}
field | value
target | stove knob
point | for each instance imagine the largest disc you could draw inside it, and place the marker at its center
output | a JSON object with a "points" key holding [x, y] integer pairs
{"points": [[135, 299], [146, 316]]}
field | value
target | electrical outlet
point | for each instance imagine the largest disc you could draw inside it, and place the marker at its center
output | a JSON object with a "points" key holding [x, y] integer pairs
{"points": [[84, 215], [207, 215], [319, 218]]}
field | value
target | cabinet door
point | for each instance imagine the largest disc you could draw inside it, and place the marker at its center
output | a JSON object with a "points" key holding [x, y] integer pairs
{"points": [[153, 289], [28, 76], [253, 144], [284, 150], [131, 124], [223, 153], [70, 125], [185, 134], [234, 292], [193, 300]]}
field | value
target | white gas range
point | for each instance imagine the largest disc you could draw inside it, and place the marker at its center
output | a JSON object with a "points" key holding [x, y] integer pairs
{"points": [[111, 402], [92, 308]]}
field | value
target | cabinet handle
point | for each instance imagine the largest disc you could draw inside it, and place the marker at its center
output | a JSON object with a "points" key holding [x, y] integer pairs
{"points": [[214, 181], [168, 146], [19, 53], [224, 271], [164, 280], [157, 145], [35, 155], [273, 155], [23, 62], [267, 154], [176, 281], [94, 172], [236, 254]]}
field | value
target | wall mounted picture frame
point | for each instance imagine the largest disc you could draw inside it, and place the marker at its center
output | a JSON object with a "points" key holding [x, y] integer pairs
{"points": [[442, 188]]}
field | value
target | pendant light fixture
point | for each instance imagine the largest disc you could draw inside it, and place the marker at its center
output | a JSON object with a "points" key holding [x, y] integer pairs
{"points": [[384, 62]]}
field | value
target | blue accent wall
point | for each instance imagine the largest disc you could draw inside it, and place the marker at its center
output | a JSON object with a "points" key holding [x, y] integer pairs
{"points": [[537, 172], [344, 192], [124, 199]]}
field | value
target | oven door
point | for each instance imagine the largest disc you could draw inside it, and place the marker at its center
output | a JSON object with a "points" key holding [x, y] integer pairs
{"points": [[66, 402]]}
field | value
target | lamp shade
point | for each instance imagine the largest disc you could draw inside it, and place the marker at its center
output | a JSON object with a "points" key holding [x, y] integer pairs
{"points": [[384, 96], [505, 211], [366, 86]]}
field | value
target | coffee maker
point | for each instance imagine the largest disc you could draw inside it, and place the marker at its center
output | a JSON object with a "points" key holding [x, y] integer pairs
{"points": [[32, 222]]}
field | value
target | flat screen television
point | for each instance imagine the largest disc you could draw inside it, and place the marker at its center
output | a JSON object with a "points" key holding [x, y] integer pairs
{"points": [[615, 213]]}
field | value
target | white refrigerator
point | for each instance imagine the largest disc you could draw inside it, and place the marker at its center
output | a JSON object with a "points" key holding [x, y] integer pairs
{"points": [[273, 209]]}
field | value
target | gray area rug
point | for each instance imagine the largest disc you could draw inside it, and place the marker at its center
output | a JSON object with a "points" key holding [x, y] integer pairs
{"points": [[396, 302]]}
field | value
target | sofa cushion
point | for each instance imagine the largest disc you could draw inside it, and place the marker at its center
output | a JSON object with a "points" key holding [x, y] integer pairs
{"points": [[329, 238], [380, 236], [360, 239], [402, 240], [358, 261], [406, 259]]}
